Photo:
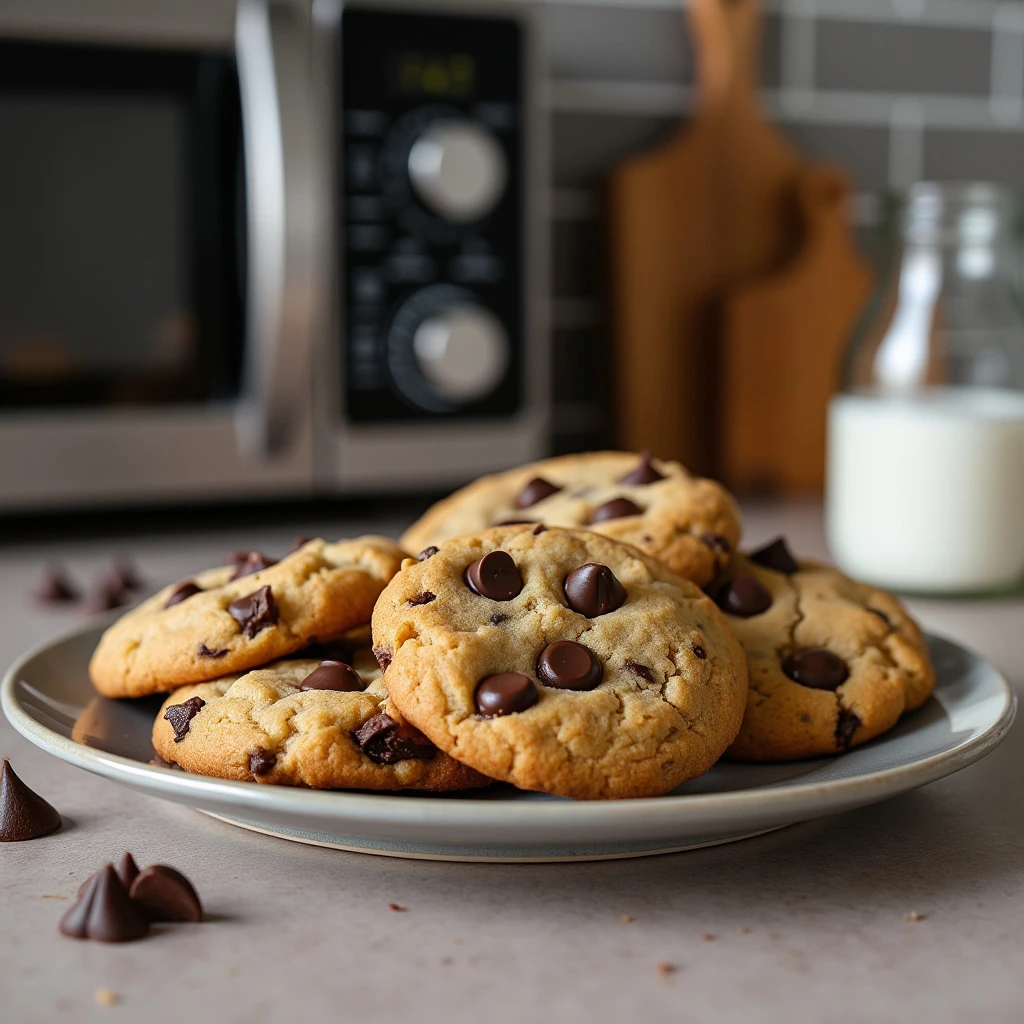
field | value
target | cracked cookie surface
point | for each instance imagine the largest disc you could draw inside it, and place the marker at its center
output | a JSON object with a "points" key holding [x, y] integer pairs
{"points": [[236, 617], [690, 523], [561, 661], [263, 727], [832, 663]]}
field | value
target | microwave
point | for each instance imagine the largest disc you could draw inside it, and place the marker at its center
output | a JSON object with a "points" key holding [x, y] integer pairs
{"points": [[268, 249]]}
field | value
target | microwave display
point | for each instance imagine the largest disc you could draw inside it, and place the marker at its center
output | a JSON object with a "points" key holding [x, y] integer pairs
{"points": [[433, 74]]}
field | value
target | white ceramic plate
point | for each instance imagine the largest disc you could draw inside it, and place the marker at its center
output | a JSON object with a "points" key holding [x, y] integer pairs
{"points": [[47, 697]]}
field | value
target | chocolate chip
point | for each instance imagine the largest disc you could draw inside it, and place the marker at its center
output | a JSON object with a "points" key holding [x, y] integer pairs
{"points": [[699, 652], [333, 675], [717, 543], [23, 813], [253, 562], [744, 596], [498, 618], [164, 894], [384, 741], [643, 472], [55, 587], [427, 553], [539, 529], [180, 716], [422, 598], [254, 612], [182, 592], [495, 576], [617, 508], [567, 665], [505, 693], [126, 868], [516, 522], [262, 761], [106, 595], [383, 656], [885, 618], [816, 668], [777, 556], [105, 912], [593, 590], [205, 652], [846, 725], [124, 574], [536, 490], [640, 670]]}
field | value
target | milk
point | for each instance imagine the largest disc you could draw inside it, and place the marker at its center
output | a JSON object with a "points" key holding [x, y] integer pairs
{"points": [[927, 493]]}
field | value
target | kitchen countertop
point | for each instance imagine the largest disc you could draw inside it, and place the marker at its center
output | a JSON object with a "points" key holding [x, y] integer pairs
{"points": [[799, 925]]}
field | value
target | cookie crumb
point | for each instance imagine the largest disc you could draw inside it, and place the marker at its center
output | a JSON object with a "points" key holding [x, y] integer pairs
{"points": [[51, 896], [626, 918], [912, 916], [708, 937], [666, 970], [396, 908], [107, 997], [743, 930]]}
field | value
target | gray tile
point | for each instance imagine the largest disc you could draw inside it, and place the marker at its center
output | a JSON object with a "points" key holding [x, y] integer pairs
{"points": [[586, 146], [989, 156], [862, 152]]}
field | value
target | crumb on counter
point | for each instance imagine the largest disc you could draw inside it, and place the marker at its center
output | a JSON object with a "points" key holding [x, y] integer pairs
{"points": [[396, 908], [912, 916], [107, 997], [666, 970], [626, 918]]}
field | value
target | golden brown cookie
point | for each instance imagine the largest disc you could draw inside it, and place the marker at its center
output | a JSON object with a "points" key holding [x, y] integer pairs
{"points": [[562, 661], [692, 524]]}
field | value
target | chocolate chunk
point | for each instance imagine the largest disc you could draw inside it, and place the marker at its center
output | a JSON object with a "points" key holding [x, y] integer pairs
{"points": [[699, 652], [617, 508], [23, 814], [495, 576], [124, 574], [816, 668], [253, 562], [180, 716], [505, 694], [384, 741], [567, 665], [516, 522], [427, 553], [425, 597], [498, 618], [56, 587], [717, 543], [163, 894], [126, 868], [777, 556], [593, 590], [885, 618], [643, 472], [182, 592], [539, 529], [105, 912], [383, 656], [261, 761], [106, 595], [254, 612], [640, 670], [744, 596], [536, 490], [846, 725], [333, 675], [205, 652]]}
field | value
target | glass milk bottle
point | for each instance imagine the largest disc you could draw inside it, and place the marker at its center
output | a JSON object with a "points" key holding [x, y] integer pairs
{"points": [[925, 485]]}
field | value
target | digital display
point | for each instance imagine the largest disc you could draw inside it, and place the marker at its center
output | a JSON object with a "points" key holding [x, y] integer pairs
{"points": [[442, 75]]}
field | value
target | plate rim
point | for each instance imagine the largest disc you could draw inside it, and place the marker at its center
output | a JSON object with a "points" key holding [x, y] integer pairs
{"points": [[373, 808]]}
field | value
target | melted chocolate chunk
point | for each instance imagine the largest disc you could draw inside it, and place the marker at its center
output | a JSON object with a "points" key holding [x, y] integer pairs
{"points": [[383, 656], [182, 592], [254, 612], [262, 761], [816, 668], [56, 587], [593, 590], [846, 725], [427, 553], [495, 577], [643, 472], [567, 665], [180, 716], [539, 529], [254, 562], [498, 618], [423, 598], [744, 596], [717, 543], [640, 670], [163, 894], [204, 652], [536, 490], [23, 813], [105, 912], [617, 508], [333, 675], [699, 652], [777, 556], [505, 693], [384, 741]]}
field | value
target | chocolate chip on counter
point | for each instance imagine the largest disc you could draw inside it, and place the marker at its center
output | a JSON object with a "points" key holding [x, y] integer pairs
{"points": [[333, 675], [180, 716], [105, 912], [846, 725], [699, 652], [505, 693], [126, 868], [885, 618], [640, 670], [777, 556], [253, 562], [717, 543], [300, 542], [816, 668], [567, 665], [255, 611], [617, 508], [384, 741], [536, 490], [182, 592], [56, 587], [261, 761], [425, 597], [744, 596], [106, 595], [643, 472], [498, 618], [124, 573], [593, 590], [23, 813], [383, 656], [396, 908], [494, 576], [427, 553], [205, 652], [164, 894]]}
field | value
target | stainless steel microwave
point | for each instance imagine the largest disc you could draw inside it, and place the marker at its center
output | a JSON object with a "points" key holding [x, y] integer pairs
{"points": [[268, 248]]}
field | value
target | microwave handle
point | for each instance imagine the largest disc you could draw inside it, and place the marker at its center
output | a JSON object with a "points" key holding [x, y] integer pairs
{"points": [[272, 55]]}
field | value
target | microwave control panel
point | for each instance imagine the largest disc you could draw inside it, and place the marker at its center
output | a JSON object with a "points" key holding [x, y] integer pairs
{"points": [[432, 150]]}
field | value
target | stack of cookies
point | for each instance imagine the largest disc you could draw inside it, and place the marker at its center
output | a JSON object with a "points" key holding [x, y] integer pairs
{"points": [[581, 626]]}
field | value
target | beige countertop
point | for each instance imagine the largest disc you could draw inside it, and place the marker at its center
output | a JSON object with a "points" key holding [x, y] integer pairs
{"points": [[805, 924]]}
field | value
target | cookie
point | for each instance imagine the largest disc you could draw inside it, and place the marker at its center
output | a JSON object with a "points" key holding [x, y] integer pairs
{"points": [[562, 661], [832, 663], [234, 618], [304, 722], [690, 523]]}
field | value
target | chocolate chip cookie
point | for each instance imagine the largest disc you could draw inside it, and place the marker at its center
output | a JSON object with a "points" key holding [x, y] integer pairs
{"points": [[832, 662], [691, 524], [236, 617], [304, 722], [562, 661]]}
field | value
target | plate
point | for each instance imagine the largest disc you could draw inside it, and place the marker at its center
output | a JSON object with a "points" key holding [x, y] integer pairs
{"points": [[47, 697]]}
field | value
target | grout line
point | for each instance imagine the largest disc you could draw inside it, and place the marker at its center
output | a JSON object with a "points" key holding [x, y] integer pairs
{"points": [[906, 144], [798, 56], [1007, 101]]}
